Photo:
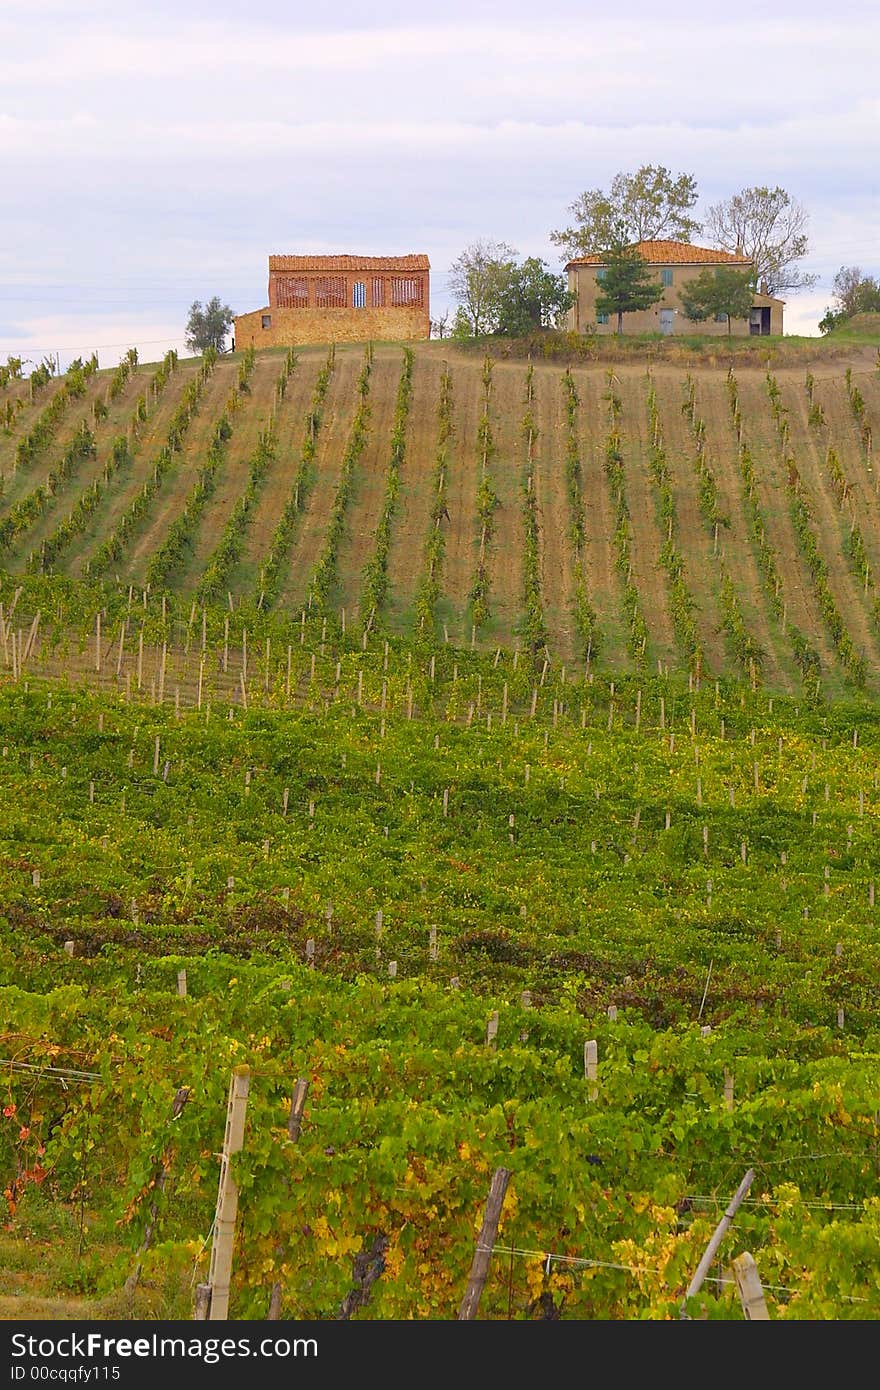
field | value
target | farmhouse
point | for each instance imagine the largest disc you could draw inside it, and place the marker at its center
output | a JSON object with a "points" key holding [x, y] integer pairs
{"points": [[676, 263], [345, 299]]}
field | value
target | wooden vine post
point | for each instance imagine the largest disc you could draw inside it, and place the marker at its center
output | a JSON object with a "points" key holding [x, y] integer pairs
{"points": [[214, 1304], [751, 1292], [717, 1236], [485, 1241]]}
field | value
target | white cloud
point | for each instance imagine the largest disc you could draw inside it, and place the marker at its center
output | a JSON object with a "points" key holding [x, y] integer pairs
{"points": [[110, 335], [148, 150], [803, 312]]}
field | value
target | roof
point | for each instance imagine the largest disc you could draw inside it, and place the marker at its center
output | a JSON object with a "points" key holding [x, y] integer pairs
{"points": [[391, 263], [674, 253]]}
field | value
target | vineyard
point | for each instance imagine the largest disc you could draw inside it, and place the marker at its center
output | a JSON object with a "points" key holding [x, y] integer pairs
{"points": [[655, 518], [477, 764]]}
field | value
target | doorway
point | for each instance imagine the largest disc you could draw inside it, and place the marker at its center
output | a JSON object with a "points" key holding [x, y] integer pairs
{"points": [[667, 320]]}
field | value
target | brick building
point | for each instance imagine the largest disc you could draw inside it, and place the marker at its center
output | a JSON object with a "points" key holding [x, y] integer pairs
{"points": [[675, 263], [343, 299]]}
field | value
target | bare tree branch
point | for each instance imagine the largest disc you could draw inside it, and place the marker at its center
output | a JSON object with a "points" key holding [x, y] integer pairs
{"points": [[474, 278], [769, 227]]}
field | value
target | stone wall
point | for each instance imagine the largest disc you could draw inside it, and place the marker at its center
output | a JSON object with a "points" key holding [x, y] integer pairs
{"points": [[286, 327], [582, 318]]}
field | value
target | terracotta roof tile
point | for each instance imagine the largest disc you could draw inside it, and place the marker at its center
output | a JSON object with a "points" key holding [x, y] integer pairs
{"points": [[674, 253], [390, 263]]}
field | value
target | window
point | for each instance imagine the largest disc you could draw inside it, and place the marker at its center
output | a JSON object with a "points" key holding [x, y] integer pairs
{"points": [[378, 292], [330, 291], [358, 295], [666, 277], [267, 321], [292, 292], [405, 291], [601, 318], [721, 318], [600, 274]]}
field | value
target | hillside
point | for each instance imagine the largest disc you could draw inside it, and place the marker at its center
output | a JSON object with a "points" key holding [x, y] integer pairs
{"points": [[474, 766], [646, 516]]}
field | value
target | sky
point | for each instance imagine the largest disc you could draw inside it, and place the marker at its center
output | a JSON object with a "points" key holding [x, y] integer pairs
{"points": [[156, 153]]}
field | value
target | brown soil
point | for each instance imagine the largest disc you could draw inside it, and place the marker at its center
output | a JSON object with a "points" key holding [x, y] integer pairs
{"points": [[311, 535], [759, 433], [554, 512], [415, 499], [507, 471], [129, 480], [869, 385], [19, 483], [368, 493], [291, 422], [692, 537], [734, 545], [830, 523], [105, 431], [179, 482], [604, 587], [232, 478], [462, 482], [648, 573], [27, 416], [842, 434]]}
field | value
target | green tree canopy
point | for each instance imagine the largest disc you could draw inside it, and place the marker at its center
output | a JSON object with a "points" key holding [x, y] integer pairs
{"points": [[476, 278], [723, 290], [854, 293], [628, 284], [497, 295], [207, 327], [648, 205], [531, 297], [12, 371]]}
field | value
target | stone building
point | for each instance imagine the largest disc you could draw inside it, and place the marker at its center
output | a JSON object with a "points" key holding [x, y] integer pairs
{"points": [[675, 262], [343, 299]]}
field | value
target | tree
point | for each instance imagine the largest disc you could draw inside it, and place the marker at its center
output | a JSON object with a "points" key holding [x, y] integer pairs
{"points": [[724, 290], [854, 293], [461, 330], [475, 278], [12, 371], [440, 325], [208, 327], [770, 228], [530, 297], [627, 284], [649, 205]]}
